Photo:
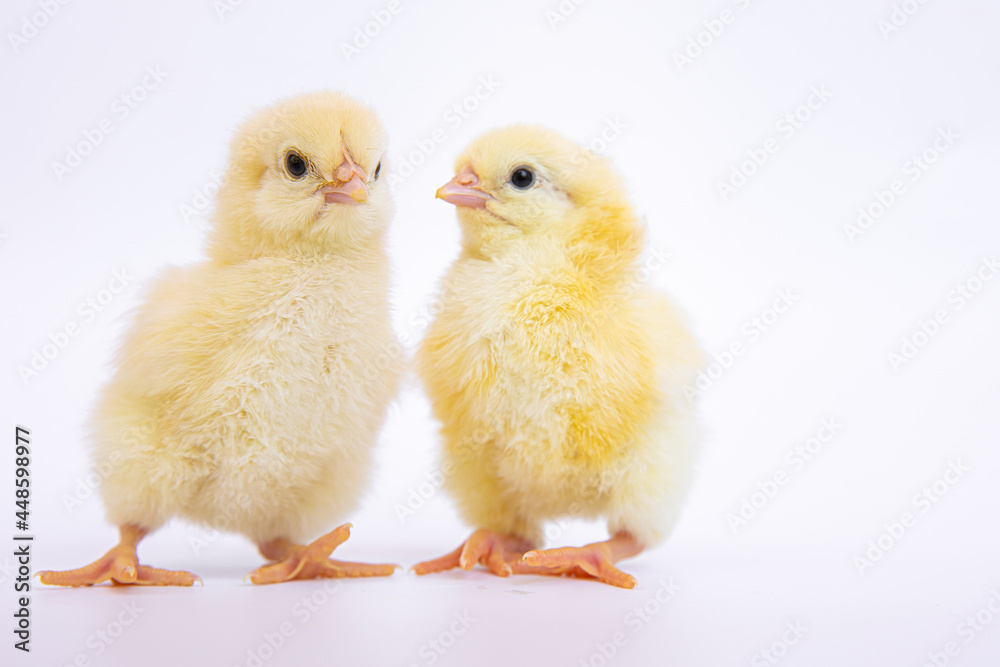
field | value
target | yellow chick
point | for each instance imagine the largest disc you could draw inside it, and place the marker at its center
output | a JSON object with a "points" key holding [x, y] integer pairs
{"points": [[556, 375], [251, 388]]}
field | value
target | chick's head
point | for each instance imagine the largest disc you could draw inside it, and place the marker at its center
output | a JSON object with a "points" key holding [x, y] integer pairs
{"points": [[524, 181], [304, 177]]}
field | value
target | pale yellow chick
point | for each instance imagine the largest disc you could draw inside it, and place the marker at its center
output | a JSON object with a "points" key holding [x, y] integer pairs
{"points": [[557, 376], [251, 387]]}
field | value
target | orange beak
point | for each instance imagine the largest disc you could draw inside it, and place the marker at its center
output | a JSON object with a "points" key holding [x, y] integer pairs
{"points": [[462, 190], [352, 188]]}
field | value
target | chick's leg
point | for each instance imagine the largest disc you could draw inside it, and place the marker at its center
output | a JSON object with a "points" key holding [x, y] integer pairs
{"points": [[501, 554], [593, 560], [120, 565], [295, 561]]}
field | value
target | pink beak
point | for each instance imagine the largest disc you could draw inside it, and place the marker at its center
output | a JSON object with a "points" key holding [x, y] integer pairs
{"points": [[353, 189], [462, 190]]}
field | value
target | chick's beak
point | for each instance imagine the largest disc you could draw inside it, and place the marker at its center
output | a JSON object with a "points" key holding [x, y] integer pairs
{"points": [[353, 189], [463, 191]]}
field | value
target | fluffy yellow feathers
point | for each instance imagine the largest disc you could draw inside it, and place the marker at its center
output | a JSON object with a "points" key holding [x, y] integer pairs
{"points": [[251, 387], [557, 377]]}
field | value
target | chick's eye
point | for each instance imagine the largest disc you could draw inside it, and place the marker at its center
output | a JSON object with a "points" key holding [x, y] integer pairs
{"points": [[378, 168], [295, 164], [522, 178]]}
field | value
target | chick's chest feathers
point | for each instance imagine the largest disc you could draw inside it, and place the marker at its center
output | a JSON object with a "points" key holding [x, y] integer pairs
{"points": [[217, 323], [554, 366], [266, 382]]}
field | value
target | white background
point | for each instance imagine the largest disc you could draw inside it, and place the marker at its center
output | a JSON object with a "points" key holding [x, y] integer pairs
{"points": [[685, 130]]}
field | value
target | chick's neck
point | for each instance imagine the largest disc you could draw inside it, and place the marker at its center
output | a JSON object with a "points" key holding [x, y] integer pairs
{"points": [[229, 244]]}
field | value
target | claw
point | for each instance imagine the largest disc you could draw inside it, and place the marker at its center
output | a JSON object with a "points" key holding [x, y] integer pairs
{"points": [[313, 561], [505, 555], [594, 560], [496, 552], [117, 567]]}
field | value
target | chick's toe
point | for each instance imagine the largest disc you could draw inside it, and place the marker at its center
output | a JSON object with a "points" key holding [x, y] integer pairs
{"points": [[296, 561], [595, 561], [120, 565], [501, 554]]}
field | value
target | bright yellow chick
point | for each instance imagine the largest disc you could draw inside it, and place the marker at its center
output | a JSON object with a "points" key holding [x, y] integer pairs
{"points": [[557, 377], [251, 388]]}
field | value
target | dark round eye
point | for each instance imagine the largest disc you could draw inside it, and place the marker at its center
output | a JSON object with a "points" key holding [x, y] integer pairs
{"points": [[378, 169], [295, 165], [522, 178]]}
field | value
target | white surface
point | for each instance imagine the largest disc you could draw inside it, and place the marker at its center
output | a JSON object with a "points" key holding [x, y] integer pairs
{"points": [[827, 356]]}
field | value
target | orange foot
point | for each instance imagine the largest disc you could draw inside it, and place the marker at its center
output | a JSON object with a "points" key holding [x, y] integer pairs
{"points": [[119, 566], [312, 562], [594, 560], [501, 554], [504, 555]]}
